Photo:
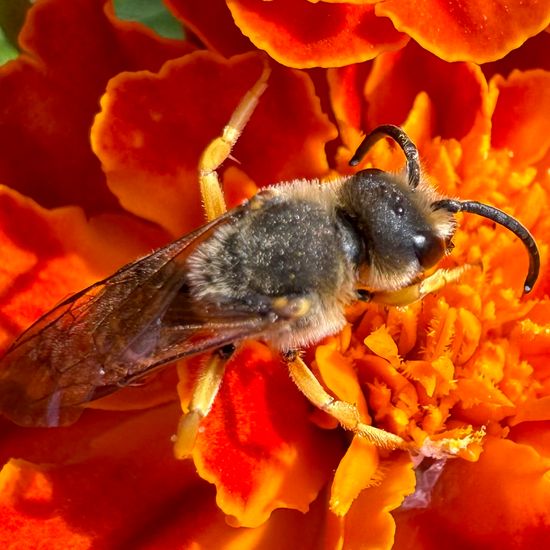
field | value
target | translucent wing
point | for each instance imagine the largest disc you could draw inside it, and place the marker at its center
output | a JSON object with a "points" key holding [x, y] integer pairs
{"points": [[112, 333]]}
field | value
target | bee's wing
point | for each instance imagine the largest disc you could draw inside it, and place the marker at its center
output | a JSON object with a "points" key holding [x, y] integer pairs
{"points": [[111, 334]]}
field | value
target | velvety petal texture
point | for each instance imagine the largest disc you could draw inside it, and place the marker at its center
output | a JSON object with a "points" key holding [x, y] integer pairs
{"points": [[48, 254], [149, 139], [50, 93], [258, 446], [464, 30], [297, 33], [102, 127]]}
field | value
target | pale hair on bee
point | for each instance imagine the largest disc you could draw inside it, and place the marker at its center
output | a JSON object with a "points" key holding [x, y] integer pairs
{"points": [[280, 267]]}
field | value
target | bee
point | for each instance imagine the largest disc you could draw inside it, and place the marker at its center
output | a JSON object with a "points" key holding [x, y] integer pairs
{"points": [[281, 268]]}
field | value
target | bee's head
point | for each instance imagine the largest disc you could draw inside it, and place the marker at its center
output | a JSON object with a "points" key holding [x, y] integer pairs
{"points": [[402, 235], [406, 227]]}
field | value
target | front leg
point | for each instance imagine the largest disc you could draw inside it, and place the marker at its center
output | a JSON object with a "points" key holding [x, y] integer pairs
{"points": [[220, 148], [413, 293]]}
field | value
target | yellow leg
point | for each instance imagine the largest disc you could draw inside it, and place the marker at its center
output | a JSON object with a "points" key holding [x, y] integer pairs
{"points": [[413, 293], [205, 391], [460, 441], [214, 155], [220, 149], [346, 413]]}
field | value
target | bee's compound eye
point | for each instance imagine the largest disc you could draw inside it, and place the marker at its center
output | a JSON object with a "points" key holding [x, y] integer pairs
{"points": [[429, 248]]}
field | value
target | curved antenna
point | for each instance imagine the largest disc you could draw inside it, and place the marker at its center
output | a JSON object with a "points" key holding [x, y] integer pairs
{"points": [[500, 217], [401, 138]]}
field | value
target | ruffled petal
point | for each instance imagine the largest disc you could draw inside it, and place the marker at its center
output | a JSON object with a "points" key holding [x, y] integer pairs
{"points": [[26, 488], [299, 34], [468, 361], [502, 501], [357, 470], [52, 89], [522, 109], [258, 446], [466, 30], [455, 91], [108, 481], [369, 523], [154, 127], [46, 255]]}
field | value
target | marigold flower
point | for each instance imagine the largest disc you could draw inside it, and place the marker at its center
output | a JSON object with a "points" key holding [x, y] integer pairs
{"points": [[465, 370], [331, 33]]}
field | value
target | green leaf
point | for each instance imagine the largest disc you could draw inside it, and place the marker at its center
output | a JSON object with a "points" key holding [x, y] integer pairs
{"points": [[7, 51], [152, 13], [12, 17]]}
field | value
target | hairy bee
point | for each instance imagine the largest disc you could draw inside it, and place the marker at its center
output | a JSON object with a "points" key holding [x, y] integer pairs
{"points": [[281, 268]]}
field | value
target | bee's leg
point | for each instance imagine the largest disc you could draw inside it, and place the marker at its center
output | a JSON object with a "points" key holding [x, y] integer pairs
{"points": [[346, 413], [206, 388], [413, 293], [220, 148]]}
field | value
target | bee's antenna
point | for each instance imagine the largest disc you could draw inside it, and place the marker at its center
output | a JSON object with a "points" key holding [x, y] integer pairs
{"points": [[500, 217], [399, 136]]}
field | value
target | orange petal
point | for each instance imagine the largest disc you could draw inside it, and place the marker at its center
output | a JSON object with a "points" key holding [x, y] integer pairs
{"points": [[456, 90], [53, 87], [382, 344], [466, 30], [533, 54], [500, 502], [535, 433], [522, 110], [258, 446], [357, 470], [47, 255], [299, 34], [200, 524], [110, 480], [532, 410], [339, 375], [23, 484], [154, 127], [369, 523]]}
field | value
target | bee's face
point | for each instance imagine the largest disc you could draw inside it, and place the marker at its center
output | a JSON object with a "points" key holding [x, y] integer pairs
{"points": [[402, 235]]}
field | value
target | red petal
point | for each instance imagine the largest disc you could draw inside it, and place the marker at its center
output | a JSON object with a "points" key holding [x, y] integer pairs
{"points": [[153, 129], [346, 87], [456, 90], [297, 33], [212, 22], [111, 481], [521, 115], [258, 446], [466, 30], [500, 502], [533, 54], [46, 255], [71, 50]]}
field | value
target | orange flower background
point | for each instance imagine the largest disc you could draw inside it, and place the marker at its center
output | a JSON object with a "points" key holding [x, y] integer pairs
{"points": [[102, 123]]}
